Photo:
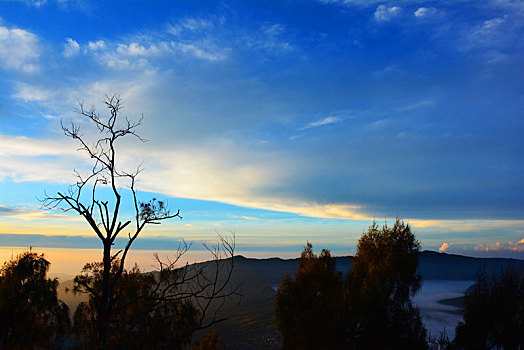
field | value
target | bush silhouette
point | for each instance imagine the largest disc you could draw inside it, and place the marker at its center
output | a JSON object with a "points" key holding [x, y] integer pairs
{"points": [[31, 316]]}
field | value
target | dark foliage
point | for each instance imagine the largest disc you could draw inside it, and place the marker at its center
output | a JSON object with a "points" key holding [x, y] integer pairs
{"points": [[209, 341], [31, 316], [142, 317], [383, 280], [310, 307], [371, 310], [493, 314]]}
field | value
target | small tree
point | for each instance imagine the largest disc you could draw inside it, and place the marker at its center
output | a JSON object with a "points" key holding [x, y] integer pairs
{"points": [[310, 307], [31, 316], [383, 280], [103, 214]]}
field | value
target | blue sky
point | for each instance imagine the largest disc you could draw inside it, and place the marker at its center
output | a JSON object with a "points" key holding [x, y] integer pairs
{"points": [[283, 121]]}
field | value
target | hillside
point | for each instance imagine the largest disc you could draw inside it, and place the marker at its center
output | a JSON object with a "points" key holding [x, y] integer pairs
{"points": [[251, 323]]}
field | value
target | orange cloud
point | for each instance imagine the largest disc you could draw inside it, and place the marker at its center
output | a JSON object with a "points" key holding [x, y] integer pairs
{"points": [[443, 247]]}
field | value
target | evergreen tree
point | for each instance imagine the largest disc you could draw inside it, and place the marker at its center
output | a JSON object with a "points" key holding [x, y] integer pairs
{"points": [[383, 280], [309, 307]]}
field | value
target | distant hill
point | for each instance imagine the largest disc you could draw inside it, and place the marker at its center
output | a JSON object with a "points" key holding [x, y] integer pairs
{"points": [[442, 266], [251, 323], [432, 266]]}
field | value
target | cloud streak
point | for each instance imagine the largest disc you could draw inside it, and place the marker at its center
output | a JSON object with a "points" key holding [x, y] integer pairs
{"points": [[321, 122]]}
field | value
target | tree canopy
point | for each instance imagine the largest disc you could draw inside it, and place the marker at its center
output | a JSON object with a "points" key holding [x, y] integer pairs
{"points": [[383, 280], [493, 313], [31, 315], [309, 307], [143, 318], [369, 309]]}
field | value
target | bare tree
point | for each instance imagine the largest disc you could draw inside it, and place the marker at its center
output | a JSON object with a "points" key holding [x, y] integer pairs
{"points": [[103, 214]]}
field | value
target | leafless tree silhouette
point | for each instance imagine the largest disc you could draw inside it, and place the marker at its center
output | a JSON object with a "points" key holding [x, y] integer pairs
{"points": [[103, 214]]}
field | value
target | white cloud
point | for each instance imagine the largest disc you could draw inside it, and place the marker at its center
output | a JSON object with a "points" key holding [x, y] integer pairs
{"points": [[27, 93], [383, 13], [19, 50], [135, 49], [141, 55], [20, 146], [321, 122], [198, 51], [96, 45], [37, 3], [425, 12], [71, 48]]}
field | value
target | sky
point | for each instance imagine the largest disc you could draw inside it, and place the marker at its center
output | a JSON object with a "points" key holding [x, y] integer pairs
{"points": [[280, 121]]}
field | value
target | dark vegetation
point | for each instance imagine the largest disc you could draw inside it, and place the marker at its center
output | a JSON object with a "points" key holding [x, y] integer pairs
{"points": [[370, 308], [493, 313], [310, 308], [30, 312], [322, 302], [250, 323]]}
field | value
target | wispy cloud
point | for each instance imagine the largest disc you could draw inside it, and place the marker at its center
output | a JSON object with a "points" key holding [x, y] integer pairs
{"points": [[28, 214], [488, 33], [466, 225], [200, 51], [190, 24], [321, 122], [426, 102]]}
